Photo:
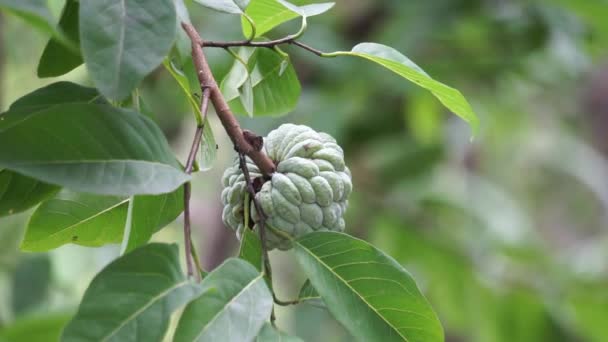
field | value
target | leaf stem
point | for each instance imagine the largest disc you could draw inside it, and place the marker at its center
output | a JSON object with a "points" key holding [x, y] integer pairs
{"points": [[291, 40]]}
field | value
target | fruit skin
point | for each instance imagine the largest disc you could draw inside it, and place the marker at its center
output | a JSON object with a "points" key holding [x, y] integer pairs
{"points": [[308, 192]]}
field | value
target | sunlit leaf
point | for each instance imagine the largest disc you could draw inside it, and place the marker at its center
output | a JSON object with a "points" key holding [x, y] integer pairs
{"points": [[132, 298], [233, 292], [404, 67], [353, 276], [123, 41]]}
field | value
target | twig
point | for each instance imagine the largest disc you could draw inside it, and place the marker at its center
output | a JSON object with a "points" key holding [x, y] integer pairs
{"points": [[231, 125], [269, 44], [196, 143]]}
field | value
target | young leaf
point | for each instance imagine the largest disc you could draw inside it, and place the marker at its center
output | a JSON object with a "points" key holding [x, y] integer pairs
{"points": [[90, 148], [19, 193], [404, 67], [268, 14], [233, 307], [57, 58], [251, 248], [93, 220], [132, 299], [123, 41], [270, 334], [276, 89], [226, 6], [353, 276], [37, 328]]}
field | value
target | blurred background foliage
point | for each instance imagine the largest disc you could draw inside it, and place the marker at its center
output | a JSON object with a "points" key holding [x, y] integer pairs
{"points": [[505, 234]]}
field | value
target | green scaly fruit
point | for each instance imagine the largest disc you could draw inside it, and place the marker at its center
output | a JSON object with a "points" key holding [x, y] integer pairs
{"points": [[308, 192]]}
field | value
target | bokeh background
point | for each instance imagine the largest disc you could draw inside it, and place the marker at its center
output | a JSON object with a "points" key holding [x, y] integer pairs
{"points": [[506, 234]]}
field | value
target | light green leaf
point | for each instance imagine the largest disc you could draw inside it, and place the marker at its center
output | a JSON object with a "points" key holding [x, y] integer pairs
{"points": [[251, 248], [132, 299], [401, 65], [38, 328], [274, 92], [90, 148], [233, 292], [354, 277], [36, 12], [19, 193], [270, 334], [226, 6], [123, 41], [93, 220], [268, 14], [57, 58]]}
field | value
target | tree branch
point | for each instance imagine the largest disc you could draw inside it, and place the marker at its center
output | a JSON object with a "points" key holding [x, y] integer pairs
{"points": [[291, 40], [231, 125]]}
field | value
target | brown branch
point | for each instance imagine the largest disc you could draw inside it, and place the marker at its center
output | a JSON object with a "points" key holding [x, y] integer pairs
{"points": [[231, 125], [196, 143], [268, 44]]}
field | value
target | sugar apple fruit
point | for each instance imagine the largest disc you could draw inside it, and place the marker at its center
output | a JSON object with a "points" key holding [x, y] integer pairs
{"points": [[308, 192]]}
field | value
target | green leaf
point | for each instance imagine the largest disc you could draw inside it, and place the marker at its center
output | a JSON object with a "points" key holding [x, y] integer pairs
{"points": [[151, 213], [310, 295], [57, 93], [276, 89], [404, 67], [183, 45], [19, 193], [31, 283], [93, 220], [123, 41], [90, 148], [268, 14], [270, 334], [352, 276], [35, 328], [233, 307], [226, 6], [251, 248], [132, 299], [36, 12], [57, 58]]}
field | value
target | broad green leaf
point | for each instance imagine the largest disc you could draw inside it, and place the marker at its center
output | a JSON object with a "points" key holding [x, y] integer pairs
{"points": [[36, 12], [226, 6], [151, 213], [183, 45], [31, 282], [270, 334], [94, 220], [404, 67], [268, 14], [38, 328], [366, 290], [233, 292], [57, 58], [207, 152], [274, 92], [90, 148], [132, 299], [19, 193], [83, 219], [123, 41], [57, 93], [251, 248]]}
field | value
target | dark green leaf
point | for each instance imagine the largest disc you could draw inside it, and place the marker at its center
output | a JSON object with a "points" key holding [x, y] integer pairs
{"points": [[234, 306], [274, 92], [90, 148], [31, 283], [270, 334], [123, 41], [353, 276], [133, 298], [19, 193], [57, 93], [226, 6], [268, 14], [251, 249], [404, 67], [57, 58], [35, 328]]}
